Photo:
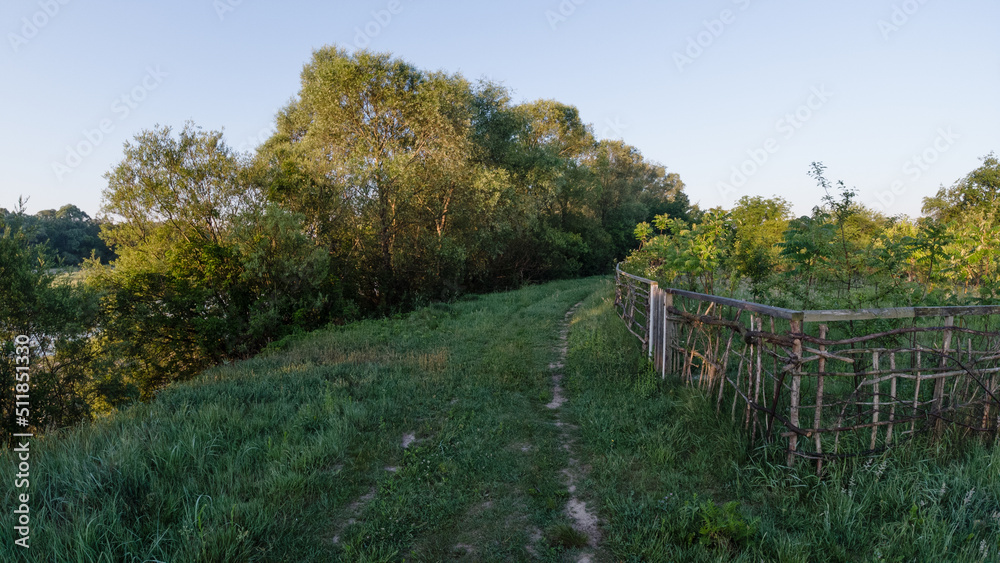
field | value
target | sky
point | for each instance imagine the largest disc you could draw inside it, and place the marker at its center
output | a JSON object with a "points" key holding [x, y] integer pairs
{"points": [[896, 97]]}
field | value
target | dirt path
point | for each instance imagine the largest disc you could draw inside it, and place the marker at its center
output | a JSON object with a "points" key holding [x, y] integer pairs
{"points": [[585, 520]]}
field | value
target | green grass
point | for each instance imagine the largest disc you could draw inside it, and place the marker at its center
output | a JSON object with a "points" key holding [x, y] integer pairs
{"points": [[275, 456], [271, 459]]}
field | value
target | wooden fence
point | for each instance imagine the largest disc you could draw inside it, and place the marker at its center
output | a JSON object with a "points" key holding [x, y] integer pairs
{"points": [[829, 383]]}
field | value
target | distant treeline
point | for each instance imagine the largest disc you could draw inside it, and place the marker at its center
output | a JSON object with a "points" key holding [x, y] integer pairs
{"points": [[384, 186], [69, 235]]}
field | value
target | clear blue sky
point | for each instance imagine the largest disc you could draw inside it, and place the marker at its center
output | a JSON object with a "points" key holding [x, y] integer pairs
{"points": [[892, 95]]}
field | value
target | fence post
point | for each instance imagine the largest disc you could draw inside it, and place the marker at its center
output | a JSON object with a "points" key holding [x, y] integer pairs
{"points": [[939, 384], [795, 327], [668, 335], [660, 330], [818, 413], [651, 321]]}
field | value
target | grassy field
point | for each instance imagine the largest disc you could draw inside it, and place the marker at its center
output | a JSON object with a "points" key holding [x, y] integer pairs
{"points": [[437, 436]]}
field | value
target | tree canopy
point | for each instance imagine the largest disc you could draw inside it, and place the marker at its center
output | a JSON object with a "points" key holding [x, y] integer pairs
{"points": [[422, 184]]}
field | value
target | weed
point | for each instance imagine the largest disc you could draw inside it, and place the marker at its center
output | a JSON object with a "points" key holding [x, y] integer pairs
{"points": [[565, 536]]}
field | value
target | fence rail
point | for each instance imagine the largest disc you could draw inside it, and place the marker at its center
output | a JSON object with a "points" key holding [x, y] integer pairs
{"points": [[837, 382]]}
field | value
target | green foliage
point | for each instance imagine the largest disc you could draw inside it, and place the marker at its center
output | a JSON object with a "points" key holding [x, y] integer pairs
{"points": [[384, 187], [208, 271], [715, 526], [643, 231], [843, 255], [685, 252], [977, 191], [758, 228], [422, 185], [56, 318], [68, 236]]}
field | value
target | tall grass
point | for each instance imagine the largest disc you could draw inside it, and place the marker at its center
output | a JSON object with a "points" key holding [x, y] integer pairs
{"points": [[274, 458]]}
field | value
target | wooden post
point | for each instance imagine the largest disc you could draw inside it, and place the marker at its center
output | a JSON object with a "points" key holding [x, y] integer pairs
{"points": [[668, 336], [892, 397], [875, 405], [991, 387], [916, 393], [795, 327], [939, 384], [736, 387], [651, 320], [759, 374], [751, 378], [656, 321], [971, 361], [724, 378], [818, 415]]}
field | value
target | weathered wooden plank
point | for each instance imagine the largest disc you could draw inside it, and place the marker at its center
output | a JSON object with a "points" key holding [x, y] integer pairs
{"points": [[940, 383], [857, 314], [776, 312], [668, 336], [896, 313], [893, 399], [619, 271], [651, 321], [972, 310]]}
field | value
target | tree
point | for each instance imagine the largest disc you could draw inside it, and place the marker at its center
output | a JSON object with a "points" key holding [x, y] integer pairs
{"points": [[759, 226], [977, 191], [965, 215], [682, 252], [207, 269], [55, 320], [630, 190], [376, 153], [70, 236]]}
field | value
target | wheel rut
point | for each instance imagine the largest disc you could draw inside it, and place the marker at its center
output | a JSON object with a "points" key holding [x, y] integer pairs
{"points": [[583, 518]]}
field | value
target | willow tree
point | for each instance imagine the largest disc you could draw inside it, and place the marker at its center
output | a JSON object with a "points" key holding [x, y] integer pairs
{"points": [[207, 270], [373, 151]]}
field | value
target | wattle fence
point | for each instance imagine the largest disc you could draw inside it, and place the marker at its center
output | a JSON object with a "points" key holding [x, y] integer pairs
{"points": [[828, 383]]}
